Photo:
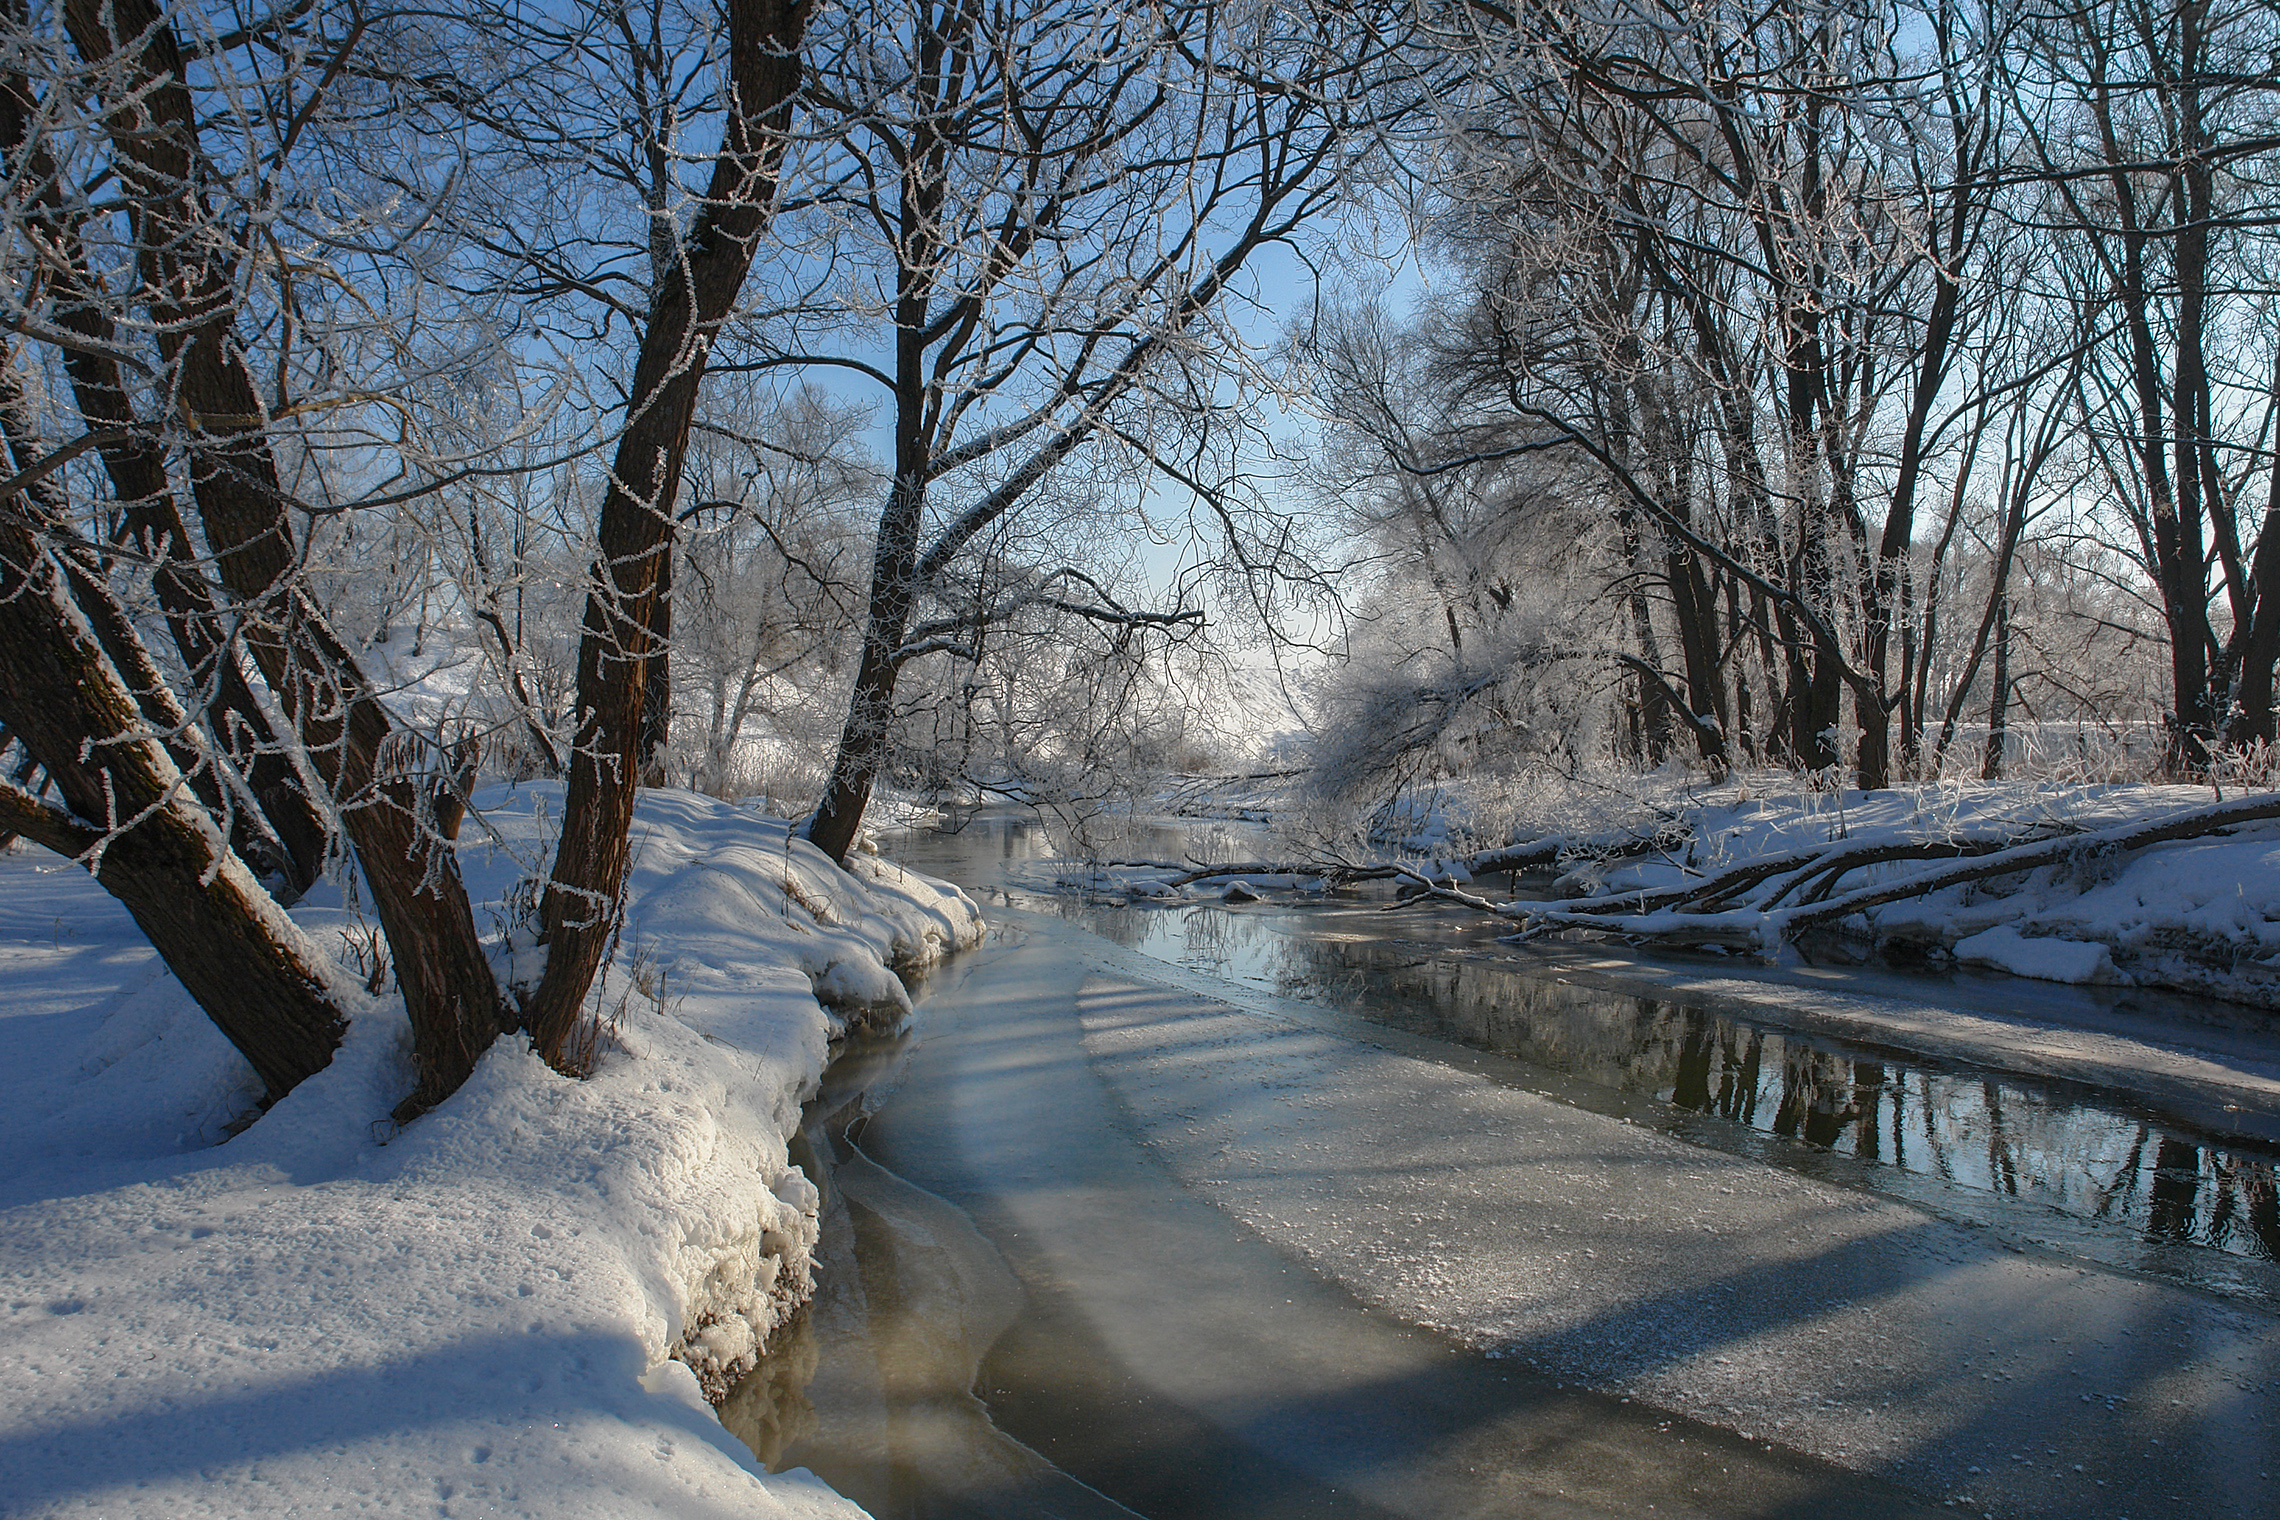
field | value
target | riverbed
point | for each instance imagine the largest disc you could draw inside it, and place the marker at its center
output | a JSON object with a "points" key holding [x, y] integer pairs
{"points": [[1313, 1209]]}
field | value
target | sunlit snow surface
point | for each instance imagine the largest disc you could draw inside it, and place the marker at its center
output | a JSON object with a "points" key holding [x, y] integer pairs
{"points": [[476, 1316], [2198, 913]]}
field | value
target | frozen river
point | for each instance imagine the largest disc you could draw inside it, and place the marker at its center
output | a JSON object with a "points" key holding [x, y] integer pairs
{"points": [[1320, 1211]]}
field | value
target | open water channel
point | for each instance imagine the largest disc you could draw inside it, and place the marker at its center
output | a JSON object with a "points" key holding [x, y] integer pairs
{"points": [[1310, 1208]]}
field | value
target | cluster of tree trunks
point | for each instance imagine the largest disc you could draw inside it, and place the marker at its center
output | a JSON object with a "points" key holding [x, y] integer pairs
{"points": [[1830, 307], [179, 794]]}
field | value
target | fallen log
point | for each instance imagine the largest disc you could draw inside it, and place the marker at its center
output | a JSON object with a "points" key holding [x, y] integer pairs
{"points": [[1704, 913], [1823, 863], [1554, 848], [1186, 873], [2197, 823]]}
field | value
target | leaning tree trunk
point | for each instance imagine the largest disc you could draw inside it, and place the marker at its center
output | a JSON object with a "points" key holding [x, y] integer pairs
{"points": [[134, 821], [623, 610], [365, 761], [657, 675], [137, 471], [870, 708]]}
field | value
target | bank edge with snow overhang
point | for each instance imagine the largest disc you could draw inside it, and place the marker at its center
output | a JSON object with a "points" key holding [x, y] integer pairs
{"points": [[516, 1305]]}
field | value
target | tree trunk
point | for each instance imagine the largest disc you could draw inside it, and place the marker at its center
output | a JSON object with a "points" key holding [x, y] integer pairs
{"points": [[411, 869], [135, 822], [657, 676], [870, 708], [1695, 609], [2249, 718], [687, 308], [1881, 586], [1999, 698], [137, 470]]}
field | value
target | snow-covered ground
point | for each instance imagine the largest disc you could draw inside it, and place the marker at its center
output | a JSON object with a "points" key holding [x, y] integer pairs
{"points": [[511, 1307], [2201, 914]]}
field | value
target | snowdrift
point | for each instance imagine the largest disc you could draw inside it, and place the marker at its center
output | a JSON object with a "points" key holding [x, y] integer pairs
{"points": [[517, 1305]]}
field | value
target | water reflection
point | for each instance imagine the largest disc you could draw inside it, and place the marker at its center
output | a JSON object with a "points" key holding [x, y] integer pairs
{"points": [[972, 846], [769, 1410], [2059, 1162], [871, 1384], [2045, 1144]]}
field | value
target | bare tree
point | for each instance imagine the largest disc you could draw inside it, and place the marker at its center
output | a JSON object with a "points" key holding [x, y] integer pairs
{"points": [[693, 296], [158, 279], [769, 585], [1757, 273], [1042, 208], [2156, 139], [251, 330]]}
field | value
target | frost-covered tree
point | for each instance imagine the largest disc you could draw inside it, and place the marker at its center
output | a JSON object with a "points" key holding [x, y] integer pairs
{"points": [[1768, 293], [1038, 215], [196, 329], [768, 587], [2154, 142], [241, 321]]}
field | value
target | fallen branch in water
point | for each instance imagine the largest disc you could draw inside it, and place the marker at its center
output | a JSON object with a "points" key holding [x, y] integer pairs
{"points": [[1186, 873]]}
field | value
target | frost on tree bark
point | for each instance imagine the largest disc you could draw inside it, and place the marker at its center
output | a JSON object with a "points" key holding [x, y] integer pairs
{"points": [[152, 520], [1058, 196], [624, 609], [132, 816], [363, 759]]}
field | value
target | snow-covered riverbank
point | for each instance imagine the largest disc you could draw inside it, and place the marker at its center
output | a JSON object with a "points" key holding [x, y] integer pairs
{"points": [[2199, 914], [2144, 885], [504, 1310]]}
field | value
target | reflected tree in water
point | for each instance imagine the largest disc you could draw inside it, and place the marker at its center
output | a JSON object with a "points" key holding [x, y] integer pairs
{"points": [[2176, 1187]]}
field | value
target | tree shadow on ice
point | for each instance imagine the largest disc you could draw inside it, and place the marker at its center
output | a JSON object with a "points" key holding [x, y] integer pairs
{"points": [[512, 1420], [2032, 1372], [1463, 1436]]}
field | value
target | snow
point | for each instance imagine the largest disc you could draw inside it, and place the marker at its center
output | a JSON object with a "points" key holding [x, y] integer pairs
{"points": [[2047, 959], [512, 1307], [2200, 915]]}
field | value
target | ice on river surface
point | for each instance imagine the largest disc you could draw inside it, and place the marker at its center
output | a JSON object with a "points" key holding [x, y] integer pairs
{"points": [[1820, 1317], [1767, 1300]]}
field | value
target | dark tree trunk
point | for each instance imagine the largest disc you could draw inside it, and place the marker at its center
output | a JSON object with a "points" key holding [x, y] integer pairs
{"points": [[2173, 527], [636, 530], [870, 707], [145, 835], [367, 764], [1654, 718], [221, 696], [2249, 719], [1999, 698], [1745, 716], [1881, 586], [657, 676], [1695, 609]]}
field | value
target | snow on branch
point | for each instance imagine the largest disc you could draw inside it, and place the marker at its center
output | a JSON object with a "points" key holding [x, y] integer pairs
{"points": [[1760, 904]]}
